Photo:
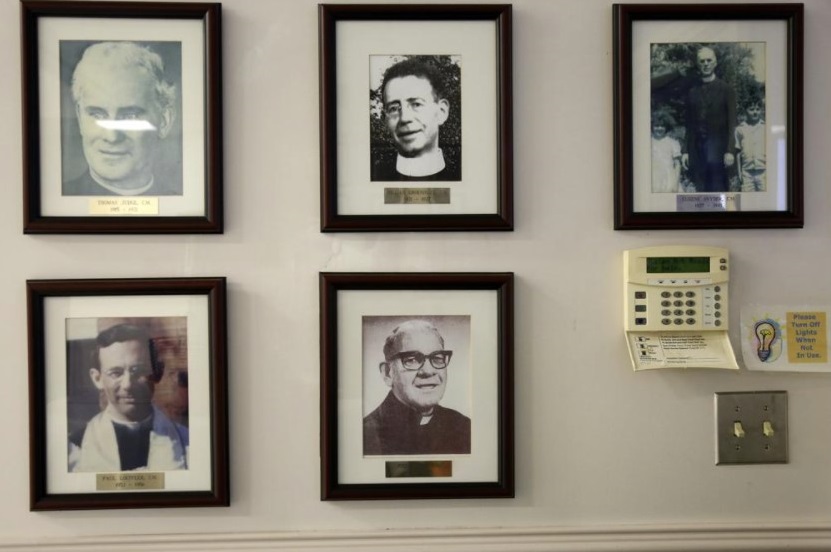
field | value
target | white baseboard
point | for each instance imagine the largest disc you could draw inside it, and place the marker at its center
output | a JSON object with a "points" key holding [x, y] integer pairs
{"points": [[635, 538]]}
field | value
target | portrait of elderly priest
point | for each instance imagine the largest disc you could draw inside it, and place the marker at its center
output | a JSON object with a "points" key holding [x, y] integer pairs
{"points": [[410, 420], [129, 433], [414, 110], [125, 109]]}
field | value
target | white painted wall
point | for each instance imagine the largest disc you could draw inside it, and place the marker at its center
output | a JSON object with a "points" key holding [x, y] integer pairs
{"points": [[598, 447]]}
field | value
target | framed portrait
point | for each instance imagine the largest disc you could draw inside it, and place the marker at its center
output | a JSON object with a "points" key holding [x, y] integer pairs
{"points": [[708, 116], [127, 393], [415, 117], [416, 385], [122, 128]]}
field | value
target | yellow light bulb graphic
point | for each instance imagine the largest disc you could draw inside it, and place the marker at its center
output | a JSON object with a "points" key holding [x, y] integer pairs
{"points": [[765, 336]]}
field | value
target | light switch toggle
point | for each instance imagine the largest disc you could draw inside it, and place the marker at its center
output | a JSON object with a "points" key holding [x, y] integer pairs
{"points": [[752, 427]]}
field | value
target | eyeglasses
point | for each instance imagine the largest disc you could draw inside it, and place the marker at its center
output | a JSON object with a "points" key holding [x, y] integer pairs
{"points": [[394, 109], [414, 360]]}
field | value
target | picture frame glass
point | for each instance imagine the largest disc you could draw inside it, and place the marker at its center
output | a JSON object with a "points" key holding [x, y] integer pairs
{"points": [[467, 325], [81, 148], [679, 135], [470, 132], [80, 398]]}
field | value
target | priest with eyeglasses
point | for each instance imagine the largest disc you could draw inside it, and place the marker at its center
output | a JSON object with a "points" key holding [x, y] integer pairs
{"points": [[410, 420]]}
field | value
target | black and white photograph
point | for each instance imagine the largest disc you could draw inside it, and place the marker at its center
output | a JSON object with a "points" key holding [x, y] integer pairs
{"points": [[416, 128], [415, 118], [127, 394], [708, 117], [416, 385], [121, 118]]}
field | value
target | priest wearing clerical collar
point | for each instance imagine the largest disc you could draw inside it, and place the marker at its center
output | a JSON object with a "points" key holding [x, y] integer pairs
{"points": [[130, 432], [414, 109], [410, 420], [125, 109]]}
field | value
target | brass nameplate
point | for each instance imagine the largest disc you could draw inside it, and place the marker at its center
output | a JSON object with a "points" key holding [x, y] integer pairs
{"points": [[129, 481], [708, 203], [115, 206], [429, 468], [416, 195]]}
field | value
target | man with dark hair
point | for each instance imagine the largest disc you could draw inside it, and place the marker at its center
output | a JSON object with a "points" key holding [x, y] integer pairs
{"points": [[130, 433], [750, 145], [711, 124], [410, 420], [414, 108]]}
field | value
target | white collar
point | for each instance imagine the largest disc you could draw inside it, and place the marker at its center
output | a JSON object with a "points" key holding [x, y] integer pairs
{"points": [[122, 191], [423, 165]]}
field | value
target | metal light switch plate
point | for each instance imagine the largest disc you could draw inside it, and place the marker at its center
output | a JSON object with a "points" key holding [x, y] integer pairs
{"points": [[752, 427]]}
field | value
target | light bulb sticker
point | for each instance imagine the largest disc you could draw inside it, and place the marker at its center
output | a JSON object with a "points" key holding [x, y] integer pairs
{"points": [[768, 340], [786, 338]]}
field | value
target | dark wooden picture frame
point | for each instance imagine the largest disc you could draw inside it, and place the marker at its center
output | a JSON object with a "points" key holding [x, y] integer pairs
{"points": [[371, 210], [187, 183], [781, 203], [344, 383], [59, 357]]}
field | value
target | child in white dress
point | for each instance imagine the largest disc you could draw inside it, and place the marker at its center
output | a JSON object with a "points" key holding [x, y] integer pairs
{"points": [[666, 157]]}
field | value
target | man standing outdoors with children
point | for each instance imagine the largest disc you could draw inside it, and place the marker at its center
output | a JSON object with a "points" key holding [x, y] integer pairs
{"points": [[719, 145]]}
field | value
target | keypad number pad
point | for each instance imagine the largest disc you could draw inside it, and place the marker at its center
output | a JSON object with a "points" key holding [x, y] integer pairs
{"points": [[701, 307]]}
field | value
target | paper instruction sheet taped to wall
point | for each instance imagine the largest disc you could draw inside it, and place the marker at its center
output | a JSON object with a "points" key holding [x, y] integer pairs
{"points": [[654, 350]]}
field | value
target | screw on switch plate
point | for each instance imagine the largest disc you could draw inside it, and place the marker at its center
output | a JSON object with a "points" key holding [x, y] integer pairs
{"points": [[752, 427]]}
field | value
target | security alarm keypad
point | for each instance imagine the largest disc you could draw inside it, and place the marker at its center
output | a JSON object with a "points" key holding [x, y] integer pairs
{"points": [[676, 288]]}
